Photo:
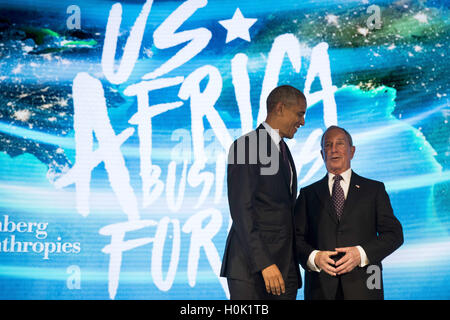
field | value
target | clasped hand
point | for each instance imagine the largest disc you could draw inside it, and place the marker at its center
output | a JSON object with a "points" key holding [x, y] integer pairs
{"points": [[347, 263]]}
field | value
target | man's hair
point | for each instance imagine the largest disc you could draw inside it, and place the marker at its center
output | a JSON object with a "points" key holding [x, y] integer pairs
{"points": [[286, 94], [349, 137]]}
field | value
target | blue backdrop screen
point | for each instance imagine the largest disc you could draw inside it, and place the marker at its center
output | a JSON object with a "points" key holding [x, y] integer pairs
{"points": [[116, 119]]}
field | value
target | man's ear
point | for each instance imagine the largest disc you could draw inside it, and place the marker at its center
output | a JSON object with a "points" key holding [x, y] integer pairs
{"points": [[352, 152], [279, 108], [321, 152]]}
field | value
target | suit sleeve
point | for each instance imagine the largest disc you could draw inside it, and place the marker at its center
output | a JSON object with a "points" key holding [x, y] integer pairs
{"points": [[389, 230], [242, 183], [304, 249]]}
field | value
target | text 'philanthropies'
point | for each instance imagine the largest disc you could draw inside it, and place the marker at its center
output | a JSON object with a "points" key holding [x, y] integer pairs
{"points": [[13, 244]]}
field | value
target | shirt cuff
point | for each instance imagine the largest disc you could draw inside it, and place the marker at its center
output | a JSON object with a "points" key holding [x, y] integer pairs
{"points": [[310, 263], [364, 259]]}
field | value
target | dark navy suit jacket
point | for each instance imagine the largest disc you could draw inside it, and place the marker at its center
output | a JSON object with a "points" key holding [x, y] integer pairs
{"points": [[262, 210], [367, 220]]}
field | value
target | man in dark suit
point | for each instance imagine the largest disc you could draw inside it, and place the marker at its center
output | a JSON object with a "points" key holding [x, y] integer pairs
{"points": [[344, 225], [259, 260]]}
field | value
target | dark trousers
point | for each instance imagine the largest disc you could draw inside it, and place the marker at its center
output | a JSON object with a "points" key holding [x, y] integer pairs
{"points": [[255, 289], [339, 291]]}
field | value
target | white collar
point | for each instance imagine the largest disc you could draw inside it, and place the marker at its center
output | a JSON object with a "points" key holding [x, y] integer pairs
{"points": [[273, 133], [346, 175]]}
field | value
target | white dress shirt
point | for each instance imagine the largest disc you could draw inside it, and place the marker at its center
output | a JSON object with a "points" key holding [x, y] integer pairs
{"points": [[273, 134], [345, 183]]}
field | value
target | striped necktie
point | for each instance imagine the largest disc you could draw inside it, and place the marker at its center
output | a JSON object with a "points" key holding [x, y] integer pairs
{"points": [[337, 197]]}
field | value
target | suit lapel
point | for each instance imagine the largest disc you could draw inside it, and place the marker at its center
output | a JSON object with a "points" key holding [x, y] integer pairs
{"points": [[282, 166], [323, 193], [294, 174], [352, 195], [270, 145], [284, 170]]}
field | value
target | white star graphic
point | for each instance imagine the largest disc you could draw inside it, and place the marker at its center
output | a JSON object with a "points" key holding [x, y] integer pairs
{"points": [[237, 27]]}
